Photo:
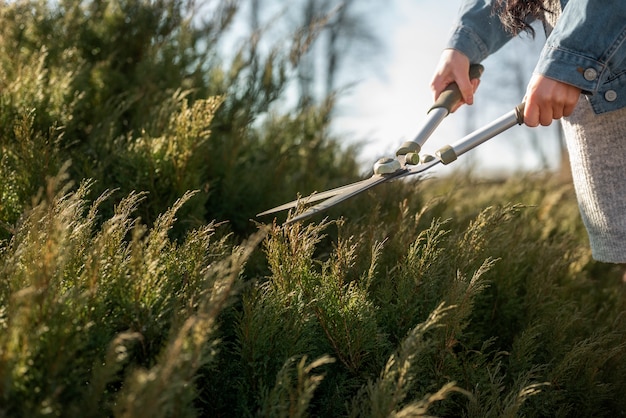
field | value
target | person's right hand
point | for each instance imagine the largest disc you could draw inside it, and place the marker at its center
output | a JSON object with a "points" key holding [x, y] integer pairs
{"points": [[547, 99], [454, 66]]}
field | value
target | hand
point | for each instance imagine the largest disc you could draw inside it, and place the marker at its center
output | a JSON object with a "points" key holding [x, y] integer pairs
{"points": [[454, 67], [547, 99]]}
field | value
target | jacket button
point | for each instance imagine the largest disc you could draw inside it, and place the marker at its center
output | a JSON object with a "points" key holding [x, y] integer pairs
{"points": [[610, 95], [590, 74]]}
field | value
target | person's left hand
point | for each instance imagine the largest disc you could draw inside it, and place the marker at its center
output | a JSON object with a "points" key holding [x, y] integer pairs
{"points": [[547, 99]]}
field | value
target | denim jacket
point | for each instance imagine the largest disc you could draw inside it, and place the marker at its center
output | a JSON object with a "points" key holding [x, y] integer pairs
{"points": [[586, 49]]}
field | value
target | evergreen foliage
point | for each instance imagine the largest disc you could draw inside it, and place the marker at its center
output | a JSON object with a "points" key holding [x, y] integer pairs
{"points": [[483, 315], [132, 282], [134, 93]]}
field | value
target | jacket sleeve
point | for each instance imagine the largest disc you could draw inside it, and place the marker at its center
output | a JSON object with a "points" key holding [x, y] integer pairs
{"points": [[588, 44], [478, 32]]}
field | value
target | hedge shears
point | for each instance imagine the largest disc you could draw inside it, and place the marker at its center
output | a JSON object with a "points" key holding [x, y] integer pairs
{"points": [[408, 160]]}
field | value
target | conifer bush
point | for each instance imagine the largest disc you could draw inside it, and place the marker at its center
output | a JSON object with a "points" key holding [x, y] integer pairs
{"points": [[475, 317], [138, 118], [70, 292]]}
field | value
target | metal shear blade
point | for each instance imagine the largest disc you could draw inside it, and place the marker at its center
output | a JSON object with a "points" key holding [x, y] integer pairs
{"points": [[338, 195], [316, 197]]}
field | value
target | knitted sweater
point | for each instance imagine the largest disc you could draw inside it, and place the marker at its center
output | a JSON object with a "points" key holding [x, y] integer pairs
{"points": [[597, 150]]}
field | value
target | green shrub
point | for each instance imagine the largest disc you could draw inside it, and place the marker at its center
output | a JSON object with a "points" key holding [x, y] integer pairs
{"points": [[69, 292], [481, 315], [163, 115]]}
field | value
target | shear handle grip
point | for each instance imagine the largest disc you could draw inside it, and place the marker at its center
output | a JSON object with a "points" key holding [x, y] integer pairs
{"points": [[451, 95]]}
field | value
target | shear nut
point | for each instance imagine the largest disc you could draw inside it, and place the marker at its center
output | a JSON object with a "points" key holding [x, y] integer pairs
{"points": [[386, 166], [447, 154], [426, 158]]}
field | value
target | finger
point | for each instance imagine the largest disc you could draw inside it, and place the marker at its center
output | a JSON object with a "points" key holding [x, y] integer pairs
{"points": [[456, 107], [546, 116], [558, 107], [568, 110], [531, 114], [475, 84], [466, 87], [569, 107], [543, 111]]}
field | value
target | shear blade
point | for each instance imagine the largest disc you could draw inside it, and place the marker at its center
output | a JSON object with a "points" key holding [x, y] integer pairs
{"points": [[356, 188], [316, 197], [347, 193]]}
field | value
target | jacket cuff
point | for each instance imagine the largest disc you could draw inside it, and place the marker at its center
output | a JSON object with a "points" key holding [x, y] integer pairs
{"points": [[571, 68]]}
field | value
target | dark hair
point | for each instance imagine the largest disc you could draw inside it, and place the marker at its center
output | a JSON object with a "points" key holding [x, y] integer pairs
{"points": [[515, 14]]}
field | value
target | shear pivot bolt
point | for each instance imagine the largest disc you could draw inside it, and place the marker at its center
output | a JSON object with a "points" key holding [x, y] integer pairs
{"points": [[386, 166], [412, 158]]}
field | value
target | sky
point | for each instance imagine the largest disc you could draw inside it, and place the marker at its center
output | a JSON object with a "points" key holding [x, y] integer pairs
{"points": [[385, 110]]}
